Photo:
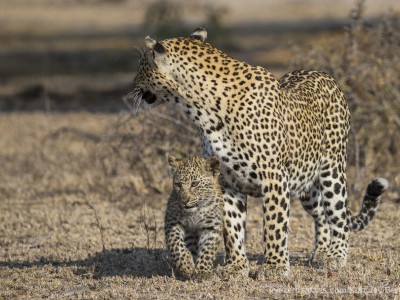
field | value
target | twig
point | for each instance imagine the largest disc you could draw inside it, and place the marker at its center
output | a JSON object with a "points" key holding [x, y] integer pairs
{"points": [[147, 226], [78, 132], [96, 216], [176, 122]]}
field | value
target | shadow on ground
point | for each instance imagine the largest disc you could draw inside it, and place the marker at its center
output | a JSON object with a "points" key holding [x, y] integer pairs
{"points": [[136, 262]]}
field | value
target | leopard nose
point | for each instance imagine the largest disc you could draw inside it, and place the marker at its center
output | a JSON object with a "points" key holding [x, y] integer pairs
{"points": [[185, 198], [149, 97]]}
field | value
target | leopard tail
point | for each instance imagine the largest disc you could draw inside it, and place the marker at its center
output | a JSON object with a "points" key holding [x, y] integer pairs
{"points": [[372, 197]]}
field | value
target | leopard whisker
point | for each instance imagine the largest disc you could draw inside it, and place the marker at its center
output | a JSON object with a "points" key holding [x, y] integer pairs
{"points": [[139, 50], [137, 101], [131, 98]]}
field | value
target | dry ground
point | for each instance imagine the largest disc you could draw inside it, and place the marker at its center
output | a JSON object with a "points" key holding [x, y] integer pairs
{"points": [[82, 196], [77, 219]]}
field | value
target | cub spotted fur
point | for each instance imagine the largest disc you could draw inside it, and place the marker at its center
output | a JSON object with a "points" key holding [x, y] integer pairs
{"points": [[194, 217]]}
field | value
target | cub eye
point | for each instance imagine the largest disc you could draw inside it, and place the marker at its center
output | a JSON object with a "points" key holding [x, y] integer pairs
{"points": [[195, 183], [177, 184]]}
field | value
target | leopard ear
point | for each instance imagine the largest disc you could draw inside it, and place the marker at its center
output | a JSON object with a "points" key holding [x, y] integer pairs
{"points": [[173, 162], [154, 45], [199, 33], [214, 165]]}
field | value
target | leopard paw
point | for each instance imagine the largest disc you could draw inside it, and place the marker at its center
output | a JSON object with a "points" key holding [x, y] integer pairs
{"points": [[334, 263], [317, 258], [202, 275], [234, 269], [268, 270]]}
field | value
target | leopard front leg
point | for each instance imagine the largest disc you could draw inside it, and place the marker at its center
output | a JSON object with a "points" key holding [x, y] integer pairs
{"points": [[191, 240], [209, 240], [276, 204], [180, 254], [236, 262]]}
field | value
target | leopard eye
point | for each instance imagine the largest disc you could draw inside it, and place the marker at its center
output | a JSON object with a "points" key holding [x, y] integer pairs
{"points": [[195, 183], [178, 184]]}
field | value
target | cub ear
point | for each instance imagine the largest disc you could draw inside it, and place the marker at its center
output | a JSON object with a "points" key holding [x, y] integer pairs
{"points": [[154, 45], [214, 165], [173, 162], [199, 33]]}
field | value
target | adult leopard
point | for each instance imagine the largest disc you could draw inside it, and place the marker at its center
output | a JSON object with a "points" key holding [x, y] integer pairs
{"points": [[276, 139]]}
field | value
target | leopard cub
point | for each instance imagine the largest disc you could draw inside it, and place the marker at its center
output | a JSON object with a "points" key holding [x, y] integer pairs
{"points": [[194, 216]]}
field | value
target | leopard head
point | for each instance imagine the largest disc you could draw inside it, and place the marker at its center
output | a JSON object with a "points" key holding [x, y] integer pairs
{"points": [[195, 180], [154, 83]]}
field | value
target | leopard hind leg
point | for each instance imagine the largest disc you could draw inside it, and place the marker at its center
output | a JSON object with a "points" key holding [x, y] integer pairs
{"points": [[312, 203]]}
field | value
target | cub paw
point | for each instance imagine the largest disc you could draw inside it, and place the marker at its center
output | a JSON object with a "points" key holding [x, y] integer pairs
{"points": [[186, 271], [202, 275], [234, 269]]}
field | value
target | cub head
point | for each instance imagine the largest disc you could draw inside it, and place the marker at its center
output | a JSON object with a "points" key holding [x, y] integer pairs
{"points": [[156, 82], [195, 180]]}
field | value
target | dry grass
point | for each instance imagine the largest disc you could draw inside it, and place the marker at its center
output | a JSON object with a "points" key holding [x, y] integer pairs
{"points": [[54, 245], [82, 196]]}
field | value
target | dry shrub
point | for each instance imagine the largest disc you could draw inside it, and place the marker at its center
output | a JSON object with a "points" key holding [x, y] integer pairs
{"points": [[366, 64], [121, 159], [130, 155]]}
